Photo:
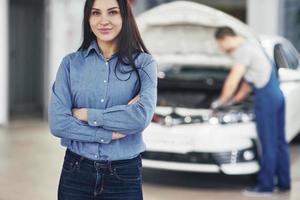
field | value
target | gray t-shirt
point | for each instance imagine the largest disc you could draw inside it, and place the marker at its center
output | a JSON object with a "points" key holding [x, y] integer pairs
{"points": [[258, 66]]}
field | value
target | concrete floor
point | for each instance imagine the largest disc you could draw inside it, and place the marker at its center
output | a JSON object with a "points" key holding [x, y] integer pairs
{"points": [[31, 158]]}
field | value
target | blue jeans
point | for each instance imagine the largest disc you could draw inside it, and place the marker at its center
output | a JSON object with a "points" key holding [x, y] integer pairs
{"points": [[84, 179]]}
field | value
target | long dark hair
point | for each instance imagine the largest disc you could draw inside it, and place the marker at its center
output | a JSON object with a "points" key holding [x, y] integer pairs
{"points": [[129, 41]]}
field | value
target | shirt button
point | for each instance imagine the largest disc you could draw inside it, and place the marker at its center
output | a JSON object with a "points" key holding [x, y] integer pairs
{"points": [[102, 140], [104, 81], [102, 100], [106, 63], [95, 122], [96, 156]]}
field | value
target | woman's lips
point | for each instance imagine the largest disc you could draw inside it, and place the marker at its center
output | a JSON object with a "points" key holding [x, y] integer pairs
{"points": [[104, 30]]}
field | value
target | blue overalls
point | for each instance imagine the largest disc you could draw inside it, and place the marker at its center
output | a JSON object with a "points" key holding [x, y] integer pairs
{"points": [[270, 124]]}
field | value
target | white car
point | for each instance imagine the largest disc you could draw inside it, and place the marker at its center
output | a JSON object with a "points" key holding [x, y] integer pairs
{"points": [[185, 134]]}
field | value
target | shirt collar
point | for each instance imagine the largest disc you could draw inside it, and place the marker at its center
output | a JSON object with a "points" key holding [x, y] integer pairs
{"points": [[94, 46]]}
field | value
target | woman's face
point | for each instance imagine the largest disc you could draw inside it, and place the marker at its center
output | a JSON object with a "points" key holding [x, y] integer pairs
{"points": [[106, 20]]}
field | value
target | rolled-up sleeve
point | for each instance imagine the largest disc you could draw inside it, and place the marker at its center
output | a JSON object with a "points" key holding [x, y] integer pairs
{"points": [[61, 121], [130, 119]]}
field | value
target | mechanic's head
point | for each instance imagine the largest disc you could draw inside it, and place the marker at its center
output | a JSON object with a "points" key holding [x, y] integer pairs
{"points": [[226, 38]]}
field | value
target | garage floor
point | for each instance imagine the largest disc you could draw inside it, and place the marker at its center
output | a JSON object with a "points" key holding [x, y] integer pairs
{"points": [[31, 158]]}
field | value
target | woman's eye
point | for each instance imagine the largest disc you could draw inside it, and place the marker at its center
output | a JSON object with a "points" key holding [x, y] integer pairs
{"points": [[95, 13], [113, 12]]}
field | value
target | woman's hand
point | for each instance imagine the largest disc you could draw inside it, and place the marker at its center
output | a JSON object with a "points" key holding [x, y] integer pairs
{"points": [[117, 136], [80, 113], [134, 100]]}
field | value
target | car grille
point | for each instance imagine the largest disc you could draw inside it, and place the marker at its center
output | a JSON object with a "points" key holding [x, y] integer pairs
{"points": [[184, 158], [195, 157]]}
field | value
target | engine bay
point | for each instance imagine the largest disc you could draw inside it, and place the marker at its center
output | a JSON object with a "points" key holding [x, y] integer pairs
{"points": [[195, 88]]}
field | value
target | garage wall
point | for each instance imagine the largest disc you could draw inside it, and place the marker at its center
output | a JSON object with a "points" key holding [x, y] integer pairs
{"points": [[63, 36], [3, 62], [26, 41], [266, 17], [292, 22]]}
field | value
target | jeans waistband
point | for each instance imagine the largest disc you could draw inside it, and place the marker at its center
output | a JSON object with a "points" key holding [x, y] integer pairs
{"points": [[103, 163]]}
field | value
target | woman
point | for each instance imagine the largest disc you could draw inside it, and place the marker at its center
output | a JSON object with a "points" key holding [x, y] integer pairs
{"points": [[103, 98]]}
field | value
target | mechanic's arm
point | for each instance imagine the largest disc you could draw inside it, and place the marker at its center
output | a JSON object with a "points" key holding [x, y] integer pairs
{"points": [[134, 117], [61, 121], [231, 83], [243, 92]]}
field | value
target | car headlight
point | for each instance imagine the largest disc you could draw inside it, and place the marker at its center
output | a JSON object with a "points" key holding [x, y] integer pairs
{"points": [[187, 119], [231, 117], [247, 117], [248, 155], [214, 120]]}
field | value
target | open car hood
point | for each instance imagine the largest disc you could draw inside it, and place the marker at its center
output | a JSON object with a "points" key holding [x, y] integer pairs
{"points": [[182, 32]]}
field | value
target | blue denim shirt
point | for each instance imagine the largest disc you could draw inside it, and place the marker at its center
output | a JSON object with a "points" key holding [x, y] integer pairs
{"points": [[86, 80]]}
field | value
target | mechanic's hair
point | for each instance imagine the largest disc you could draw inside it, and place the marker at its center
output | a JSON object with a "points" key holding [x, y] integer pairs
{"points": [[224, 31]]}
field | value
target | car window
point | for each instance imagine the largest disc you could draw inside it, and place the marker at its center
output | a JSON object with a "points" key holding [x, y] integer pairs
{"points": [[286, 56], [280, 57]]}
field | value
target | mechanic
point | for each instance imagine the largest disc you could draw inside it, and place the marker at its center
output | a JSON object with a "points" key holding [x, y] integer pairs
{"points": [[253, 70]]}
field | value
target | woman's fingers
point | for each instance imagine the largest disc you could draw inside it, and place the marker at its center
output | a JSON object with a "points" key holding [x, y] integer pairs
{"points": [[80, 113], [117, 136], [74, 112], [134, 100]]}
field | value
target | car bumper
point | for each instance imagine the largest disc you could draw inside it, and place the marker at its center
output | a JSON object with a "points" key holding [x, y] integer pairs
{"points": [[229, 169]]}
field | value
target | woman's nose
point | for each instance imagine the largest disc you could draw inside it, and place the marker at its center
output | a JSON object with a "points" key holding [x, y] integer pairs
{"points": [[104, 20]]}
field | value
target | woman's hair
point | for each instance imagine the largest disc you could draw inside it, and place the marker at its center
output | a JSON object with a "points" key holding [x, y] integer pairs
{"points": [[224, 31], [129, 41]]}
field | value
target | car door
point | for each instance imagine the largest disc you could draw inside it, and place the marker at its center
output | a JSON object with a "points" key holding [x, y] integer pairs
{"points": [[288, 61]]}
